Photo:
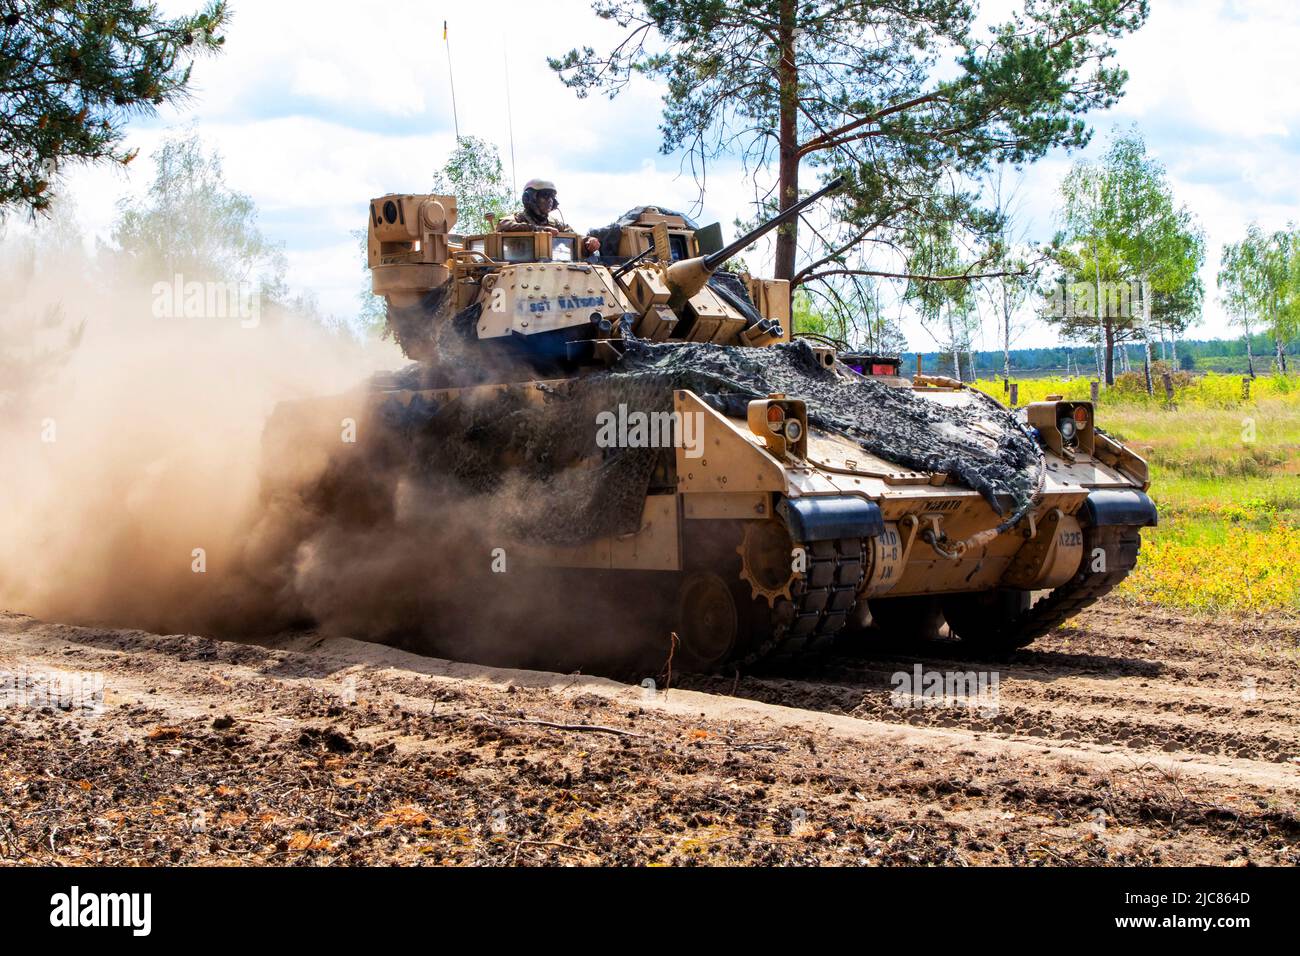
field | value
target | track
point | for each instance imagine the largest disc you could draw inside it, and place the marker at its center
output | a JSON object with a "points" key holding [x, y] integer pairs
{"points": [[822, 601], [802, 629]]}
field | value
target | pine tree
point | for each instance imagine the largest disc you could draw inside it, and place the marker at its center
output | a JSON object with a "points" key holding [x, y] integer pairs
{"points": [[898, 97], [73, 71]]}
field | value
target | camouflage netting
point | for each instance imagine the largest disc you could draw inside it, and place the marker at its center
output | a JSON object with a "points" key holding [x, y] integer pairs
{"points": [[980, 445], [536, 472], [534, 469], [610, 235]]}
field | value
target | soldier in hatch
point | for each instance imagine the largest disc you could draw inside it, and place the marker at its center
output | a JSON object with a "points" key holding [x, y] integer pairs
{"points": [[539, 214]]}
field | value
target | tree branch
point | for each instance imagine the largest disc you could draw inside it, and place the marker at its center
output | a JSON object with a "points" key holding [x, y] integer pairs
{"points": [[911, 277]]}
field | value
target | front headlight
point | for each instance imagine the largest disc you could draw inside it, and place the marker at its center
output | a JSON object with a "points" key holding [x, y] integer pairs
{"points": [[782, 423]]}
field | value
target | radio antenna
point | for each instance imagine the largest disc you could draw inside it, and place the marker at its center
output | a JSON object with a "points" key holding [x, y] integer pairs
{"points": [[510, 119], [451, 76]]}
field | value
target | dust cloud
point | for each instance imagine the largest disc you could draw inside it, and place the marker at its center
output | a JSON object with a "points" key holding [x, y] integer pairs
{"points": [[219, 475], [130, 437]]}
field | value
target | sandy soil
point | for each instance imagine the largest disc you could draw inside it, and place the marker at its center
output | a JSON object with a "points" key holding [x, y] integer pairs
{"points": [[1127, 737]]}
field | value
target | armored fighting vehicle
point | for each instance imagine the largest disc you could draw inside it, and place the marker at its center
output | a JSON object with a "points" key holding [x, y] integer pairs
{"points": [[654, 418]]}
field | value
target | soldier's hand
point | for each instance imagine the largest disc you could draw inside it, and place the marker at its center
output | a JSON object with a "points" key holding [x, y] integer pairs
{"points": [[552, 230], [591, 244]]}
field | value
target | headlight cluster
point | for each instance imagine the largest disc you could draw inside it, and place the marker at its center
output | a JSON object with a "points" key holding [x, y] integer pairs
{"points": [[1064, 427], [781, 423], [1072, 424]]}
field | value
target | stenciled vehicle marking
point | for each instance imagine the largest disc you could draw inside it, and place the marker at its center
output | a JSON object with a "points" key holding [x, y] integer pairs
{"points": [[561, 303]]}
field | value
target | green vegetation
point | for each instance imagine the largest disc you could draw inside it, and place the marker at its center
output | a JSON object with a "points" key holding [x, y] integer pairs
{"points": [[1128, 252], [474, 175], [191, 222], [1260, 282], [1207, 355], [73, 71], [1225, 474]]}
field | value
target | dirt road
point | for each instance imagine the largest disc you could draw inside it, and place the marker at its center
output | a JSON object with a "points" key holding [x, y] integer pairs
{"points": [[1132, 738]]}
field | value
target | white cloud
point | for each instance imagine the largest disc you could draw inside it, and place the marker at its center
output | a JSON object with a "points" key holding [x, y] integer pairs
{"points": [[317, 107], [1218, 66]]}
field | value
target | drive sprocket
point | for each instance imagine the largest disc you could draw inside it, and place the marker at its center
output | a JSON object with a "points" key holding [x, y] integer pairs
{"points": [[767, 561]]}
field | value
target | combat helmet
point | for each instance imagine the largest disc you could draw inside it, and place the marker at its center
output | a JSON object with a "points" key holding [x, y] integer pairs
{"points": [[532, 189]]}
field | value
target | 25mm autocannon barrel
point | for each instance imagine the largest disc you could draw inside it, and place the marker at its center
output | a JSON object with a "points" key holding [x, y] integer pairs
{"points": [[688, 276], [712, 261]]}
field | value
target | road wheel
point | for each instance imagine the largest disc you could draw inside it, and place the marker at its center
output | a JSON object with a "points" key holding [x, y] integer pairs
{"points": [[708, 622]]}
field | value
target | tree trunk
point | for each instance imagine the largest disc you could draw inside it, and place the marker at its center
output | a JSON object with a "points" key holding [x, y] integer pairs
{"points": [[955, 345], [788, 167], [1006, 333], [1102, 337], [1281, 354], [1110, 355], [1250, 358], [1146, 334]]}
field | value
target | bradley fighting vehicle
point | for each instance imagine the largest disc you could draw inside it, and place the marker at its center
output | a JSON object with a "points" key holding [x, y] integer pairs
{"points": [[802, 495]]}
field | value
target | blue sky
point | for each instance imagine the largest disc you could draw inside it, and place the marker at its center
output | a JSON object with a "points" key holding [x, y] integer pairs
{"points": [[317, 107]]}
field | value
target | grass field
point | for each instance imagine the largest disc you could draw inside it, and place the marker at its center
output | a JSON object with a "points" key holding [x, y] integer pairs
{"points": [[1225, 474]]}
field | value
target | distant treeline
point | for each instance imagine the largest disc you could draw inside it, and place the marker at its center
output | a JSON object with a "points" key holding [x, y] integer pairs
{"points": [[1209, 355]]}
